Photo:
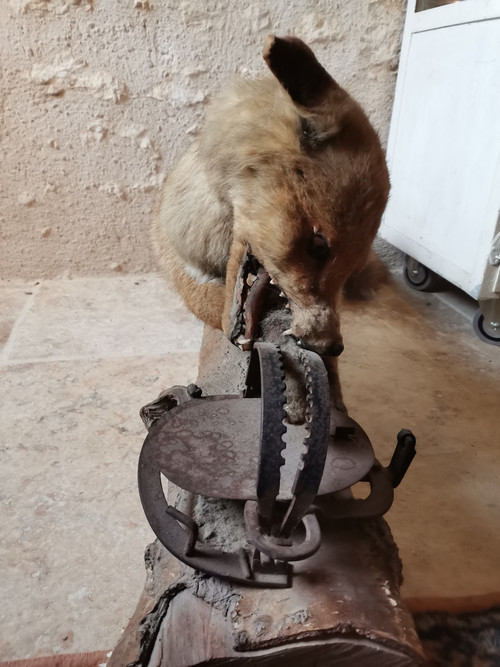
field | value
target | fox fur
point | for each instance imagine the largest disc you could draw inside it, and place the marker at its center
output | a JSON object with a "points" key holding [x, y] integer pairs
{"points": [[290, 168]]}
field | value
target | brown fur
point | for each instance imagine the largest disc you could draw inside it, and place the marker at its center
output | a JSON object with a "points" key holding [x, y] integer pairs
{"points": [[279, 161]]}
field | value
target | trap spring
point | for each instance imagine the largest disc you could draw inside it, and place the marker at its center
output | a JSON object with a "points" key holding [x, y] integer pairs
{"points": [[232, 447]]}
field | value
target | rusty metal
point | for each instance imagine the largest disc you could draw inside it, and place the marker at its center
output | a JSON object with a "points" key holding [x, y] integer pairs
{"points": [[210, 446], [232, 447], [166, 401], [310, 472], [248, 297], [377, 503], [266, 379], [252, 306], [402, 457], [178, 533], [283, 548]]}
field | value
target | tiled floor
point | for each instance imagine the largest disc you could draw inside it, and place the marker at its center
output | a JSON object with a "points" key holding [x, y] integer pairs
{"points": [[81, 359], [77, 360]]}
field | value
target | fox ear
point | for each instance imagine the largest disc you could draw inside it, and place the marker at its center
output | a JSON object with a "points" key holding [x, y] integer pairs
{"points": [[295, 66]]}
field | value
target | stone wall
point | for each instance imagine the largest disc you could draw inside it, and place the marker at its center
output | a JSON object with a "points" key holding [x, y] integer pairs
{"points": [[99, 97]]}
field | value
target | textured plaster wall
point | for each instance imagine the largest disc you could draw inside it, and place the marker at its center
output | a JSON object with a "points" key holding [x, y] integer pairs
{"points": [[99, 97]]}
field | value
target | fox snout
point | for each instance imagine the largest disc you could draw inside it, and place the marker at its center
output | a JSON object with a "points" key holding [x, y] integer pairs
{"points": [[317, 329]]}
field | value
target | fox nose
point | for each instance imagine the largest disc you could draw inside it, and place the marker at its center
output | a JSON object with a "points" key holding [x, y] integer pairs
{"points": [[334, 350]]}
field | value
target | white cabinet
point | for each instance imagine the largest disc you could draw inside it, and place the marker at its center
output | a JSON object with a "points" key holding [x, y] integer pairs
{"points": [[444, 145]]}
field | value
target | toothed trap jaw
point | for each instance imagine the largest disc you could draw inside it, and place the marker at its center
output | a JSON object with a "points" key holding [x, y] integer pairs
{"points": [[237, 447], [257, 294]]}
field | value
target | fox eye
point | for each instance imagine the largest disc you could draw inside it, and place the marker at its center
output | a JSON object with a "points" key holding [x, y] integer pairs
{"points": [[318, 247]]}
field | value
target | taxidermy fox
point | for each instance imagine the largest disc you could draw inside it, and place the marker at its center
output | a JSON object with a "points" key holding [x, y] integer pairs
{"points": [[285, 186]]}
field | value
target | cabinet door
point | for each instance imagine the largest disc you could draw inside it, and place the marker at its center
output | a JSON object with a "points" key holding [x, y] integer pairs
{"points": [[444, 147]]}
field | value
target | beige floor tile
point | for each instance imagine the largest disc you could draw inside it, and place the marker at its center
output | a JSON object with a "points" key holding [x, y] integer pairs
{"points": [[445, 521], [73, 530], [412, 365], [105, 317]]}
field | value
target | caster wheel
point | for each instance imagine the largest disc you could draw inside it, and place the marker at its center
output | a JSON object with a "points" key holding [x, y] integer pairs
{"points": [[488, 332], [419, 277]]}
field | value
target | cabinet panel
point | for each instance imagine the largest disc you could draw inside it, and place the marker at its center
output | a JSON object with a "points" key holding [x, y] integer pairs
{"points": [[444, 149]]}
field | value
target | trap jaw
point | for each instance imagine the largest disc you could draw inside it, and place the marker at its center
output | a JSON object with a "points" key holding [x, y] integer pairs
{"points": [[232, 446]]}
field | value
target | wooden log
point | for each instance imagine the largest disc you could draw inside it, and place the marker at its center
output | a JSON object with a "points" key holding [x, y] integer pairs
{"points": [[93, 659], [344, 607]]}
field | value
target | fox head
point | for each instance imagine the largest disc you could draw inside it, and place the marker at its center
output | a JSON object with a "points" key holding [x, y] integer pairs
{"points": [[289, 169], [310, 190]]}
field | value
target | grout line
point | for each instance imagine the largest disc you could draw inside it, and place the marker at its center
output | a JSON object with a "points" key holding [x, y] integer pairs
{"points": [[4, 353]]}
